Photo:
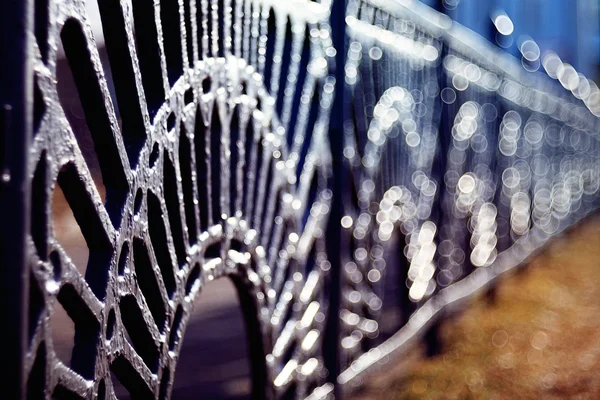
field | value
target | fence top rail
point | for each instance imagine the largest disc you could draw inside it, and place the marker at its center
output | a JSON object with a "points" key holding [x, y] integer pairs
{"points": [[470, 44]]}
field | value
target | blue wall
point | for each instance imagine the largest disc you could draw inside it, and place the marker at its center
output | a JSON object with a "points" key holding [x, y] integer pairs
{"points": [[568, 27]]}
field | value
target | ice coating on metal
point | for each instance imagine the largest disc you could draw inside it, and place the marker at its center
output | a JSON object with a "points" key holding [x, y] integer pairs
{"points": [[209, 121], [189, 82]]}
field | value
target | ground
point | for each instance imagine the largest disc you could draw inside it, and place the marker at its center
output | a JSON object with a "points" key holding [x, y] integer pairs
{"points": [[539, 339]]}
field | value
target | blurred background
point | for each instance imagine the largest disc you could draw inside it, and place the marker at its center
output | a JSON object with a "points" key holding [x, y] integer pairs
{"points": [[568, 27]]}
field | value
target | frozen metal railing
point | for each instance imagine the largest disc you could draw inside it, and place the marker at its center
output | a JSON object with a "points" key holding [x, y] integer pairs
{"points": [[194, 143], [461, 164], [193, 152]]}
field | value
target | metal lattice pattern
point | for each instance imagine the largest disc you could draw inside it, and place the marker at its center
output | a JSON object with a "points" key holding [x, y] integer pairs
{"points": [[208, 161], [208, 156]]}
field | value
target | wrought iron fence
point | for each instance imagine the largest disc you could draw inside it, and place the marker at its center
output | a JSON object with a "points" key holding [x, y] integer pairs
{"points": [[193, 140], [462, 164]]}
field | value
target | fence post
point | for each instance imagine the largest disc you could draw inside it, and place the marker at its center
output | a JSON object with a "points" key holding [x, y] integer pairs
{"points": [[336, 134], [432, 339], [15, 131]]}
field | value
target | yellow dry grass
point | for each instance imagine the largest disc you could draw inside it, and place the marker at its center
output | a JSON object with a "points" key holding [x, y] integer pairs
{"points": [[540, 339]]}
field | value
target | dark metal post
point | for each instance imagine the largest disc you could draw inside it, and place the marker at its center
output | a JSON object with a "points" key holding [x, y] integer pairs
{"points": [[15, 131], [336, 134], [432, 339]]}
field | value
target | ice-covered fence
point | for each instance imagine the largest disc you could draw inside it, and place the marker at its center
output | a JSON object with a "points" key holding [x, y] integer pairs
{"points": [[461, 163], [195, 144], [188, 140]]}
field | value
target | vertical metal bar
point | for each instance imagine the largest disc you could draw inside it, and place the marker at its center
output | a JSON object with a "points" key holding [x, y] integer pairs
{"points": [[16, 105], [336, 134], [432, 339]]}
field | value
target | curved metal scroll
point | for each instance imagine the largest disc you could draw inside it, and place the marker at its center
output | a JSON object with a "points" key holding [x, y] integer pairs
{"points": [[205, 125]]}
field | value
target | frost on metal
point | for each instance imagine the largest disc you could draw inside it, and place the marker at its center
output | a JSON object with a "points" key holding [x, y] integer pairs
{"points": [[208, 124]]}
